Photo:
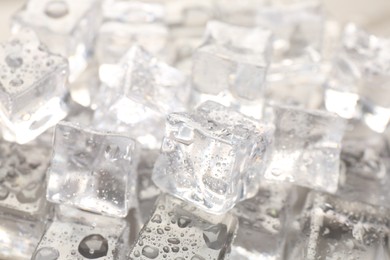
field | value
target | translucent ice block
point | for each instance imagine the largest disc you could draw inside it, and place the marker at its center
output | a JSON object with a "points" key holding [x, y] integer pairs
{"points": [[32, 88], [22, 178], [262, 223], [177, 230], [213, 157], [359, 79], [307, 146], [238, 12], [332, 228], [94, 171], [67, 27], [230, 67], [77, 234], [140, 95]]}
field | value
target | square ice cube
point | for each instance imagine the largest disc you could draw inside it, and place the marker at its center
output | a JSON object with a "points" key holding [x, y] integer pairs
{"points": [[307, 146], [262, 223], [76, 234], [22, 178], [230, 66], [33, 88], [137, 100], [67, 27], [177, 230], [333, 228], [212, 157], [360, 77], [94, 171]]}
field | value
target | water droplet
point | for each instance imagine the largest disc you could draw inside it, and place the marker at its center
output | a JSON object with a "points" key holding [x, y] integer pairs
{"points": [[93, 246], [150, 252], [174, 241], [14, 61], [16, 82], [215, 236], [157, 219], [56, 9], [46, 253], [183, 221]]}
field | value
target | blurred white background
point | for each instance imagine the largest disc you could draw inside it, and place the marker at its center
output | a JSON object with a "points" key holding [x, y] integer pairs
{"points": [[374, 15]]}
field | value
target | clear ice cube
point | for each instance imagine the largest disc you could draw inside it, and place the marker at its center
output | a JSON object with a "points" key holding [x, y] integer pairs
{"points": [[306, 147], [295, 76], [67, 27], [230, 66], [262, 223], [364, 169], [33, 88], [213, 157], [333, 228], [127, 23], [177, 230], [22, 178], [94, 171], [76, 234], [359, 79], [137, 100], [19, 237]]}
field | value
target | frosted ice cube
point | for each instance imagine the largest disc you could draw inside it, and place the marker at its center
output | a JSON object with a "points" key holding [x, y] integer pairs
{"points": [[262, 223], [361, 74], [67, 27], [77, 234], [32, 88], [332, 228], [230, 67], [94, 171], [213, 157], [137, 100], [307, 146], [22, 178], [177, 230], [190, 13], [19, 236]]}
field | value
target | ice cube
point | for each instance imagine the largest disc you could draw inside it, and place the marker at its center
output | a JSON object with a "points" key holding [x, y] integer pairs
{"points": [[22, 178], [332, 228], [137, 100], [242, 12], [295, 76], [77, 234], [19, 236], [94, 171], [364, 169], [262, 223], [190, 13], [177, 230], [67, 27], [359, 79], [212, 157], [32, 88], [230, 67], [307, 146]]}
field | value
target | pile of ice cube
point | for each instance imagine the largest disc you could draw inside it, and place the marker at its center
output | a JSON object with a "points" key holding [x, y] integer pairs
{"points": [[192, 130]]}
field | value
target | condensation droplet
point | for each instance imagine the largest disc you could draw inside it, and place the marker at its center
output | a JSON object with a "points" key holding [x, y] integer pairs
{"points": [[46, 253], [56, 9], [93, 246], [150, 252]]}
